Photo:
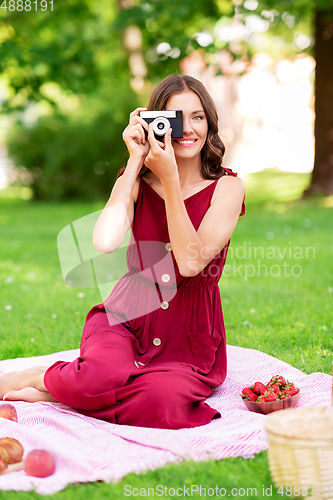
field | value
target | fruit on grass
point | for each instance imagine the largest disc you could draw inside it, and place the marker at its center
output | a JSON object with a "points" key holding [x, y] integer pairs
{"points": [[259, 388], [39, 463], [11, 450], [3, 464], [8, 411]]}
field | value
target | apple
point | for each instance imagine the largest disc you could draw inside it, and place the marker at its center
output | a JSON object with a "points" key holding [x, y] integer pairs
{"points": [[3, 464], [8, 411], [39, 463], [11, 450]]}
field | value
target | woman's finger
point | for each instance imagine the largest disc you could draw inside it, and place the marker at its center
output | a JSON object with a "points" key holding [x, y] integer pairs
{"points": [[136, 129], [133, 135], [168, 140], [137, 119], [137, 111], [151, 137]]}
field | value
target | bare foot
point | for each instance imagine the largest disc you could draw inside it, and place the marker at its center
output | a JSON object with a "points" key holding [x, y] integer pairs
{"points": [[15, 381], [29, 394]]}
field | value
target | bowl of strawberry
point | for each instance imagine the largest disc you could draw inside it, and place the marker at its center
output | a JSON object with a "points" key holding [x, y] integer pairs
{"points": [[278, 394]]}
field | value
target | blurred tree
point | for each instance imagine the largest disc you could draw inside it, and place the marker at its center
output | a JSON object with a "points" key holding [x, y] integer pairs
{"points": [[69, 94], [64, 59], [170, 30], [321, 14]]}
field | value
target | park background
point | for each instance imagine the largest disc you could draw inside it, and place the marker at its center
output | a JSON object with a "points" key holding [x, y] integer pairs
{"points": [[69, 77]]}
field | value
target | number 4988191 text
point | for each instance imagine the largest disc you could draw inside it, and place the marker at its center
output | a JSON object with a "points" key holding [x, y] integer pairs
{"points": [[26, 5]]}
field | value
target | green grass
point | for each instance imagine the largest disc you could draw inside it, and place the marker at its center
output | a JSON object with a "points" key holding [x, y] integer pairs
{"points": [[288, 317]]}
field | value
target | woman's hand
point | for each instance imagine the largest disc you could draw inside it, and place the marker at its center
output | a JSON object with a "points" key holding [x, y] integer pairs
{"points": [[161, 158], [134, 135]]}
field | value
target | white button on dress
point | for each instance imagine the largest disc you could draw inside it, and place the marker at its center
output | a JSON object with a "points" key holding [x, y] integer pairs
{"points": [[166, 278], [157, 341], [164, 304]]}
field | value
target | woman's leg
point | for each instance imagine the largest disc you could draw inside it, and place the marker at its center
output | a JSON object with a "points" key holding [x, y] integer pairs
{"points": [[105, 363], [166, 399]]}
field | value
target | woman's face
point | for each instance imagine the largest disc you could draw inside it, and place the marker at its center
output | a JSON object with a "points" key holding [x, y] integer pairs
{"points": [[195, 125]]}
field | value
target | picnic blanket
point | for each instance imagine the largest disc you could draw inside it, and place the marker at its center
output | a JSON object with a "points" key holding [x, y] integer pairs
{"points": [[87, 449]]}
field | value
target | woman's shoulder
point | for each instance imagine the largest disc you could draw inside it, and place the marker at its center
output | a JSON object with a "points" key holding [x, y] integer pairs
{"points": [[229, 183]]}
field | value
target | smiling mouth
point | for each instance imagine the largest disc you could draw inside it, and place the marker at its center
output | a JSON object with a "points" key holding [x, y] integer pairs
{"points": [[186, 142]]}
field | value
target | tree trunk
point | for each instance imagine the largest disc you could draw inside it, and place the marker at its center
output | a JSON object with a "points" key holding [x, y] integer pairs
{"points": [[322, 175]]}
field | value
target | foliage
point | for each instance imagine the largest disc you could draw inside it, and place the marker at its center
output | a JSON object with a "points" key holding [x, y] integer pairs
{"points": [[77, 155], [56, 62], [72, 45]]}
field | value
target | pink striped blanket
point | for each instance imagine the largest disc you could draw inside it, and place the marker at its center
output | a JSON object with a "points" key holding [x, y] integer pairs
{"points": [[86, 449]]}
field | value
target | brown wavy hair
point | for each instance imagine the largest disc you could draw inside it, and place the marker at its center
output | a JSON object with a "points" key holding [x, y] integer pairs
{"points": [[213, 150]]}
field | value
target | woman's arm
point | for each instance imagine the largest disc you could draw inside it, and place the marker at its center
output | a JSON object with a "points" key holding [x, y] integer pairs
{"points": [[192, 249], [117, 217]]}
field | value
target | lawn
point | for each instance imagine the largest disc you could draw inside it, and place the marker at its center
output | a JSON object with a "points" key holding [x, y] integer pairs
{"points": [[277, 294]]}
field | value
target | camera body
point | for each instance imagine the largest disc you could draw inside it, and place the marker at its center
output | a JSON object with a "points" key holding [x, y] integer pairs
{"points": [[162, 121]]}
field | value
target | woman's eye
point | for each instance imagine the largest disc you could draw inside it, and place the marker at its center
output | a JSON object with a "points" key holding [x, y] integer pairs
{"points": [[198, 117]]}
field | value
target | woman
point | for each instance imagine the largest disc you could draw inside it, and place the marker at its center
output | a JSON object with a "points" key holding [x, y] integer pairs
{"points": [[154, 350]]}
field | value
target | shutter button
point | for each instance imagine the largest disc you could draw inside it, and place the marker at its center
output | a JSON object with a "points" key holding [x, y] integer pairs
{"points": [[164, 304], [157, 342], [165, 278]]}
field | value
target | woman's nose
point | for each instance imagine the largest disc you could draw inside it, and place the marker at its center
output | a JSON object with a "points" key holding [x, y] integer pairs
{"points": [[187, 126]]}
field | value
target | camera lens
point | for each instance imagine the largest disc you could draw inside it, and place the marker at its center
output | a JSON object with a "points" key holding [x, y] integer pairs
{"points": [[161, 125]]}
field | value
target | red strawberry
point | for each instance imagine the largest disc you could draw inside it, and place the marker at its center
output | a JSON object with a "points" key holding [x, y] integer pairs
{"points": [[275, 388], [261, 399], [252, 396], [259, 388], [279, 380], [271, 396], [290, 387], [249, 396], [293, 390], [288, 393], [246, 390]]}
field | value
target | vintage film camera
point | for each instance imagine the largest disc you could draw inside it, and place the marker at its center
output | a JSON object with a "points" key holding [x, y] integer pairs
{"points": [[162, 121]]}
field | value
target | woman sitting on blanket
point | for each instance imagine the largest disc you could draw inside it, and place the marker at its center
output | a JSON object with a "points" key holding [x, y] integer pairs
{"points": [[153, 352]]}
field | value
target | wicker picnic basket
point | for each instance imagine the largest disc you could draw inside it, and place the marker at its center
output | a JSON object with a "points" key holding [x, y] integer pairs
{"points": [[301, 450]]}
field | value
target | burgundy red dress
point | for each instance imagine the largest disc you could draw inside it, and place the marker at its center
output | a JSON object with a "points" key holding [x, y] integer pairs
{"points": [[154, 350]]}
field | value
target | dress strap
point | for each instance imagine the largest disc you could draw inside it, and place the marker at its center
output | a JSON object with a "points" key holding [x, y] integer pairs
{"points": [[121, 171], [230, 172]]}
